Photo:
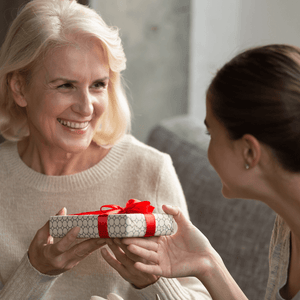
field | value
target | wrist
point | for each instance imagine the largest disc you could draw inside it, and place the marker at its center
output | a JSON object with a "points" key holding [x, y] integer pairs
{"points": [[208, 264], [214, 275]]}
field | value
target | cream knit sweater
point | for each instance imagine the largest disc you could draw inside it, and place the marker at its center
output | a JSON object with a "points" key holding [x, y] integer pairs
{"points": [[27, 199]]}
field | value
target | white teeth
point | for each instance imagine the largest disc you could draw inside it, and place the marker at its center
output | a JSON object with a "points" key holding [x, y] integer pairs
{"points": [[73, 124]]}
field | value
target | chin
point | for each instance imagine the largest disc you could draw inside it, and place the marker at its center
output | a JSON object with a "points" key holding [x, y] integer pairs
{"points": [[227, 193], [236, 194], [75, 146]]}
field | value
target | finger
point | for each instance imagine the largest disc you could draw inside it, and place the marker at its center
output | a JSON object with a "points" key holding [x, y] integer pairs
{"points": [[97, 298], [177, 214], [86, 247], [150, 269], [144, 243], [150, 256], [50, 240], [120, 254], [62, 212], [42, 235], [65, 243], [170, 210], [113, 262], [132, 256], [79, 251], [113, 296]]}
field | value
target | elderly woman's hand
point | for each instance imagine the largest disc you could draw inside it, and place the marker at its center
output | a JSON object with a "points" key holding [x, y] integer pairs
{"points": [[123, 263], [54, 259]]}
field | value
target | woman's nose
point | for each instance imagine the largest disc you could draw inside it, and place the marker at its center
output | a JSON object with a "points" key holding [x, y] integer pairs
{"points": [[84, 103]]}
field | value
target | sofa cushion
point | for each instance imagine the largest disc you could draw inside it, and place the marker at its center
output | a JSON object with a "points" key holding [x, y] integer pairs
{"points": [[240, 230]]}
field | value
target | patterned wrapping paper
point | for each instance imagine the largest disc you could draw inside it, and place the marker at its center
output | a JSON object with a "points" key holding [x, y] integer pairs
{"points": [[118, 225]]}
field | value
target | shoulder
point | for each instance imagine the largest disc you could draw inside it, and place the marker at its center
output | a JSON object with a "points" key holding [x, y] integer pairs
{"points": [[278, 257], [145, 161], [8, 151], [7, 146], [144, 153], [280, 242], [281, 231], [8, 160]]}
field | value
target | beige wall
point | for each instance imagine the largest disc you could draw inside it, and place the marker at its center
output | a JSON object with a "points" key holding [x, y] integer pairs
{"points": [[155, 35], [221, 29]]}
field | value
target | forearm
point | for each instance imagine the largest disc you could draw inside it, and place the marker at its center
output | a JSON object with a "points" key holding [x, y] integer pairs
{"points": [[26, 283], [218, 281]]}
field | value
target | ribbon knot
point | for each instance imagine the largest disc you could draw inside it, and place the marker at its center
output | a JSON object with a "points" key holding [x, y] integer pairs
{"points": [[132, 207]]}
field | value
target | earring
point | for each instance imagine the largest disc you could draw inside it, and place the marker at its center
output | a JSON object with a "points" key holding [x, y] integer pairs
{"points": [[247, 166]]}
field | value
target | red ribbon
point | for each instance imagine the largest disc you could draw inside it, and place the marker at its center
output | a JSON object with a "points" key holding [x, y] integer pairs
{"points": [[132, 207]]}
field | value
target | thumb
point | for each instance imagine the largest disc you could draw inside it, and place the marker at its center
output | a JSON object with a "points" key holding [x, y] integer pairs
{"points": [[177, 214], [62, 212]]}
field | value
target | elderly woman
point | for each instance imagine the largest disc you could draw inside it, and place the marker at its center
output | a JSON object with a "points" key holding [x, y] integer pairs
{"points": [[66, 121], [253, 118]]}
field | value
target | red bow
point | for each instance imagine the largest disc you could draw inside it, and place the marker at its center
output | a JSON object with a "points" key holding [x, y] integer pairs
{"points": [[132, 207]]}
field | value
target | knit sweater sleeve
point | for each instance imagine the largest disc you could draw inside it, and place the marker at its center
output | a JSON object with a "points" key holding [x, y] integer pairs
{"points": [[26, 283], [169, 191]]}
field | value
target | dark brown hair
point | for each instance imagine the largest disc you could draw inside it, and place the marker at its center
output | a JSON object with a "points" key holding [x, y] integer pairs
{"points": [[258, 93]]}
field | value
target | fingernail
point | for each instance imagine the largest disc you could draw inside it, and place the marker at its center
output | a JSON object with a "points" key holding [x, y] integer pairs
{"points": [[61, 211]]}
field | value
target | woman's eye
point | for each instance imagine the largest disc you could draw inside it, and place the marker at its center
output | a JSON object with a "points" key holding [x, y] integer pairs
{"points": [[100, 85], [65, 86], [207, 132]]}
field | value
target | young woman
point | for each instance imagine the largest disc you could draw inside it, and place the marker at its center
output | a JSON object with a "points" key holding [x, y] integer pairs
{"points": [[253, 118]]}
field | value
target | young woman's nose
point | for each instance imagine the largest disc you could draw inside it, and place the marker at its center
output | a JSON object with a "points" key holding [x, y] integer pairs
{"points": [[84, 103]]}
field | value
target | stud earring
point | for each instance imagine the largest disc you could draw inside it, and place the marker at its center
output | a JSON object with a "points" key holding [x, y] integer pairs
{"points": [[247, 166]]}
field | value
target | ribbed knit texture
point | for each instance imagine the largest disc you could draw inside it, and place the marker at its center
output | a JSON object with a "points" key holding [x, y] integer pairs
{"points": [[279, 260], [27, 199]]}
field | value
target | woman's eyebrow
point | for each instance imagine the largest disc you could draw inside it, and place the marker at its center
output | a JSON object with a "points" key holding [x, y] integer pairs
{"points": [[75, 81]]}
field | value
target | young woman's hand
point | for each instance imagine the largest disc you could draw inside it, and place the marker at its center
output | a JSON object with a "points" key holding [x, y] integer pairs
{"points": [[53, 259], [124, 262], [185, 253]]}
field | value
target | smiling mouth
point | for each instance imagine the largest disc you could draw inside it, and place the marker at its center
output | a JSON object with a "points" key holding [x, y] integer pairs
{"points": [[73, 125]]}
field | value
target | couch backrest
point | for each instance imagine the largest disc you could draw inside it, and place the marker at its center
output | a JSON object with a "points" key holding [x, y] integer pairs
{"points": [[239, 230]]}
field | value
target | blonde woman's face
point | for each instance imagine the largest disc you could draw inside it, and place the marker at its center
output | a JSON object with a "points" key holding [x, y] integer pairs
{"points": [[67, 97]]}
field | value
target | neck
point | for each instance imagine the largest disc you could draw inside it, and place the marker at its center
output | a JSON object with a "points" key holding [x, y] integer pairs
{"points": [[284, 198], [57, 162]]}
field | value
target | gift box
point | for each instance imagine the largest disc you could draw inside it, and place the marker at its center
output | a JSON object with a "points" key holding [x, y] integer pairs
{"points": [[117, 222]]}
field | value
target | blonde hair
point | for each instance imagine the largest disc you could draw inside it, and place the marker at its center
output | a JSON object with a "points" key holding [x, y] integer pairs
{"points": [[43, 25]]}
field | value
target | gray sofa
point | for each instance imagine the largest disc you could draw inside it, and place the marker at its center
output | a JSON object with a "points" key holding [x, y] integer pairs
{"points": [[239, 230]]}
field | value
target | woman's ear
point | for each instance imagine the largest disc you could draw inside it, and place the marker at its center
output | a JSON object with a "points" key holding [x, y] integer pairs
{"points": [[251, 150], [16, 84]]}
